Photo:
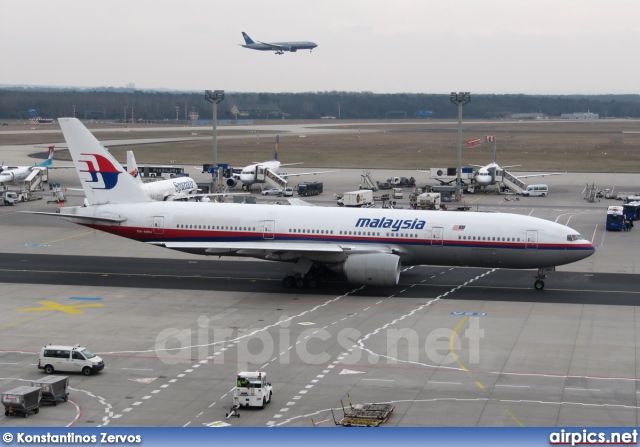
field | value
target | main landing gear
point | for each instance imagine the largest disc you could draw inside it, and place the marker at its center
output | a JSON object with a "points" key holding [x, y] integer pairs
{"points": [[539, 284], [300, 281]]}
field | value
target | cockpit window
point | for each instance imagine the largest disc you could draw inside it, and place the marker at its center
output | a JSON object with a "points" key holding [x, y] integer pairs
{"points": [[575, 237]]}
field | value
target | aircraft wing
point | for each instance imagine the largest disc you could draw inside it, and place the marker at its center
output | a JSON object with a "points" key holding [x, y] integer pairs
{"points": [[89, 219], [539, 175], [273, 247], [307, 173], [183, 195], [275, 47], [298, 202]]}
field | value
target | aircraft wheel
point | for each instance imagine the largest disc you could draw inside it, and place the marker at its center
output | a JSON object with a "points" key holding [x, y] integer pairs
{"points": [[313, 282], [299, 282], [288, 281], [539, 284]]}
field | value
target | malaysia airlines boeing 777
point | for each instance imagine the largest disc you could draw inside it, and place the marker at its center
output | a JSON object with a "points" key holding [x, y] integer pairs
{"points": [[368, 246], [278, 47]]}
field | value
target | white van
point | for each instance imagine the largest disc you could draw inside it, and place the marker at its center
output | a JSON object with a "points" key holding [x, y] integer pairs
{"points": [[69, 358], [536, 190]]}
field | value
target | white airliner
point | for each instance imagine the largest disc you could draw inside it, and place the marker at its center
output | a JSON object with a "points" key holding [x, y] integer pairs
{"points": [[18, 174], [493, 174], [256, 173], [173, 189], [369, 246], [278, 47]]}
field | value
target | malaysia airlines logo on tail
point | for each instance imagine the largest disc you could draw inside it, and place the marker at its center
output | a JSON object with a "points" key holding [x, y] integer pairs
{"points": [[108, 173], [134, 173]]}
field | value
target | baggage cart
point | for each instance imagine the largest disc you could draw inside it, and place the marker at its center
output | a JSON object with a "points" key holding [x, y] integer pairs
{"points": [[54, 388], [22, 401], [364, 415]]}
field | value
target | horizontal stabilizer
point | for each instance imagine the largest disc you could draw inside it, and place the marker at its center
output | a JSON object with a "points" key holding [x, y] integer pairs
{"points": [[89, 219]]}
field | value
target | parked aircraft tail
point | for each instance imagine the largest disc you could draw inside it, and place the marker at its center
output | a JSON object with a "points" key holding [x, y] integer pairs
{"points": [[247, 39], [100, 174], [275, 149], [49, 161], [132, 167]]}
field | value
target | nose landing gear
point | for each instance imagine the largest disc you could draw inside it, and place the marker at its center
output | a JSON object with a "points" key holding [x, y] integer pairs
{"points": [[541, 276]]}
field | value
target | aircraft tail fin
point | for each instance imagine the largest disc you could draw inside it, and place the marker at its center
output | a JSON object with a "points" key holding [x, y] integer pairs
{"points": [[275, 149], [103, 179], [132, 167], [247, 39], [49, 161]]}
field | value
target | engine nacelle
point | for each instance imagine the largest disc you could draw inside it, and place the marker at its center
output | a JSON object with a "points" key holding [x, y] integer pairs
{"points": [[379, 269], [231, 182]]}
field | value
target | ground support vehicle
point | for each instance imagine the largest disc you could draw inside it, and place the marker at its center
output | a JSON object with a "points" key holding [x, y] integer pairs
{"points": [[8, 198], [252, 389], [310, 188], [364, 415], [362, 197], [54, 388], [22, 401]]}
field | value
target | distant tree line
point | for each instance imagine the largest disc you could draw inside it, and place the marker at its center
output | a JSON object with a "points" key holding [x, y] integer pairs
{"points": [[112, 104]]}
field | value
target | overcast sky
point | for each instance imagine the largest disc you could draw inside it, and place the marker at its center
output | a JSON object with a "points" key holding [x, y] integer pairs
{"points": [[382, 46]]}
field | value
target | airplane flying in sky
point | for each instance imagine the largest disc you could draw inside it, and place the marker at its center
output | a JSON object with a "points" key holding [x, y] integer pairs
{"points": [[367, 245], [258, 172], [173, 189], [18, 174], [278, 47]]}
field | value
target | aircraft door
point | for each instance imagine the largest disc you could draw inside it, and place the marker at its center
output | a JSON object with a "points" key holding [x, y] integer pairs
{"points": [[158, 224], [492, 173], [532, 239], [437, 234], [269, 228]]}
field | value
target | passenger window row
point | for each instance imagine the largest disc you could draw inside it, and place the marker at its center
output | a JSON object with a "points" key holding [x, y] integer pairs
{"points": [[215, 227]]}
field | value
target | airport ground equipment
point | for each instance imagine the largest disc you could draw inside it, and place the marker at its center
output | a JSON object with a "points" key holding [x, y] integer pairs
{"points": [[252, 389], [360, 198], [8, 198], [631, 211], [425, 201], [54, 388], [58, 193], [234, 410], [364, 415], [402, 182], [22, 401], [615, 218], [367, 181], [310, 188]]}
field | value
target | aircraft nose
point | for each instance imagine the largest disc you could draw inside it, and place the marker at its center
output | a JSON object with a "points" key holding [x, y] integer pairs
{"points": [[586, 250]]}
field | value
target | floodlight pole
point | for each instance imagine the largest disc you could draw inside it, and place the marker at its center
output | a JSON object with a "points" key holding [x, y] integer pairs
{"points": [[214, 97], [460, 99]]}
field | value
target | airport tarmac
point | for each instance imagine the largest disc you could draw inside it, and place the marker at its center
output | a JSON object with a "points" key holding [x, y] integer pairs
{"points": [[447, 346]]}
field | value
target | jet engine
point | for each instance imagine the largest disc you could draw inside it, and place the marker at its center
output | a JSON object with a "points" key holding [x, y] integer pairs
{"points": [[378, 269], [231, 182]]}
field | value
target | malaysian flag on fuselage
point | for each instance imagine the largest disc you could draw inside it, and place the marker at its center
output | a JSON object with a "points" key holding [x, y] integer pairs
{"points": [[458, 227]]}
